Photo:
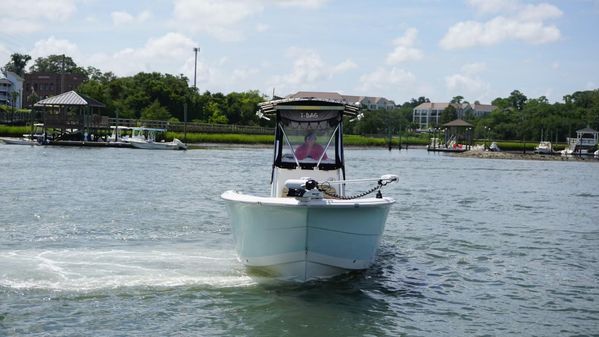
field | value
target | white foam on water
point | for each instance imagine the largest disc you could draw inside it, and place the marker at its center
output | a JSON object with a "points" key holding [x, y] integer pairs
{"points": [[92, 269]]}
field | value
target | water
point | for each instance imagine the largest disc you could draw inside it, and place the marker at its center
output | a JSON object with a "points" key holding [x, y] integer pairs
{"points": [[115, 242]]}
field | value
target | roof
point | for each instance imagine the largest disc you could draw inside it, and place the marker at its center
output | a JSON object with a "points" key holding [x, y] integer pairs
{"points": [[587, 130], [335, 96], [302, 104], [483, 107], [458, 123], [70, 98], [315, 94]]}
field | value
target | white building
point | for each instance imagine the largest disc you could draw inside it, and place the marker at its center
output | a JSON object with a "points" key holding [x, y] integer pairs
{"points": [[368, 102], [11, 89], [428, 115]]}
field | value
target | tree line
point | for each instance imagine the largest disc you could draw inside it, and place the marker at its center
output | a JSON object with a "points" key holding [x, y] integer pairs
{"points": [[169, 97]]}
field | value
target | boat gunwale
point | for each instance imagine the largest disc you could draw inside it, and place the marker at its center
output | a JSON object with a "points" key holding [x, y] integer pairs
{"points": [[236, 196]]}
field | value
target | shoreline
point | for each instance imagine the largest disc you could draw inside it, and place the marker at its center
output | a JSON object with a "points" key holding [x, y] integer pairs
{"points": [[523, 156]]}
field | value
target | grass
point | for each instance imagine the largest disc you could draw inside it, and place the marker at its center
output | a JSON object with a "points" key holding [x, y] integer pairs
{"points": [[14, 131]]}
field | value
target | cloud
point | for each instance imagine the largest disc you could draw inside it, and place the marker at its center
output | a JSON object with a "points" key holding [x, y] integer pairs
{"points": [[161, 54], [514, 21], [382, 78], [54, 46], [312, 4], [219, 18], [224, 19], [468, 82], [27, 16], [124, 18], [308, 69], [261, 27], [343, 67], [404, 50]]}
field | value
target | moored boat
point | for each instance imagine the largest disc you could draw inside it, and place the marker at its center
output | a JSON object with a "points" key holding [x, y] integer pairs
{"points": [[544, 147], [37, 137], [18, 141], [308, 228], [145, 138]]}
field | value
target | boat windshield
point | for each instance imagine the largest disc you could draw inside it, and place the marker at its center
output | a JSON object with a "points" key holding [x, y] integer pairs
{"points": [[308, 142]]}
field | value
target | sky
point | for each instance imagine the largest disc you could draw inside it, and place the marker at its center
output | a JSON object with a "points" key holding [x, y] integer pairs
{"points": [[397, 49]]}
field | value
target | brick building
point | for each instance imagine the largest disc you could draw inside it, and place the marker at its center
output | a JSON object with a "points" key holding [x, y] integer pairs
{"points": [[46, 85]]}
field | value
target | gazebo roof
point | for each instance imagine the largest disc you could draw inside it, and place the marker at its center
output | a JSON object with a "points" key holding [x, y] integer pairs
{"points": [[587, 130], [458, 123], [70, 98]]}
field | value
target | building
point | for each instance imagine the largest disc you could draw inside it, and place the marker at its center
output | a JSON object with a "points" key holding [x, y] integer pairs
{"points": [[368, 102], [11, 89], [428, 115], [38, 86]]}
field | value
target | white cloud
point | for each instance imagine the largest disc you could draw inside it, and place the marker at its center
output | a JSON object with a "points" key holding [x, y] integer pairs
{"points": [[54, 46], [515, 21], [383, 78], [494, 6], [27, 16], [124, 18], [158, 54], [343, 67], [219, 18], [308, 69], [225, 19], [468, 82], [404, 50], [261, 27], [301, 3]]}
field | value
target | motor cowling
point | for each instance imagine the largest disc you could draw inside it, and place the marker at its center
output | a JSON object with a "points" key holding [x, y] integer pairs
{"points": [[305, 188]]}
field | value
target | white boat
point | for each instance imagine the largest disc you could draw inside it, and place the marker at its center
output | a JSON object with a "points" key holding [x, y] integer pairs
{"points": [[494, 147], [308, 228], [18, 141], [544, 147], [145, 138], [34, 138]]}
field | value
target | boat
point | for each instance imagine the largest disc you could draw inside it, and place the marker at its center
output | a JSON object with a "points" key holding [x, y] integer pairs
{"points": [[544, 147], [451, 146], [18, 141], [494, 147], [309, 228], [145, 138], [37, 137]]}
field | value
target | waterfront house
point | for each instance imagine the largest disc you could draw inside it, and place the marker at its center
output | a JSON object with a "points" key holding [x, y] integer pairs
{"points": [[428, 115], [367, 102]]}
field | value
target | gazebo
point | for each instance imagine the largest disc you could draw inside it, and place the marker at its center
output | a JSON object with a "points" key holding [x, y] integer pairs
{"points": [[458, 131], [71, 111]]}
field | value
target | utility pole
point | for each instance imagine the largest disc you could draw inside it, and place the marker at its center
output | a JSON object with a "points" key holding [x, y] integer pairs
{"points": [[195, 65], [62, 76]]}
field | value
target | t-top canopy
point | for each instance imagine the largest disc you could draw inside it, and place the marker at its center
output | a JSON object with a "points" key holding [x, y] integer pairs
{"points": [[307, 109]]}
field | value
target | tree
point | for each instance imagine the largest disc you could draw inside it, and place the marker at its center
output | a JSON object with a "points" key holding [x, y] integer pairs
{"points": [[457, 99], [450, 113], [517, 100], [17, 63], [57, 64], [155, 111]]}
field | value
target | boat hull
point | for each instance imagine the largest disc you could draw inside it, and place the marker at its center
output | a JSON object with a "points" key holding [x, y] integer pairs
{"points": [[304, 240], [18, 141], [142, 144]]}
